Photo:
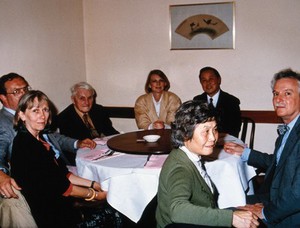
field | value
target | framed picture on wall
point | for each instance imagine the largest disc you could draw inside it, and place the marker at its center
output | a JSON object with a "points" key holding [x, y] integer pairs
{"points": [[202, 26]]}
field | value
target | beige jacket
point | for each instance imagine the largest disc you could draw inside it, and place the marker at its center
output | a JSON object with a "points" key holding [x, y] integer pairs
{"points": [[145, 113]]}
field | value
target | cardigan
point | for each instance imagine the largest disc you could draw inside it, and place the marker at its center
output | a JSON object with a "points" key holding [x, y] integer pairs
{"points": [[184, 197]]}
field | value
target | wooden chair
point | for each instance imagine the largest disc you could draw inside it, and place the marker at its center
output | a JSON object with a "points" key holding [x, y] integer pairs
{"points": [[248, 123], [245, 134]]}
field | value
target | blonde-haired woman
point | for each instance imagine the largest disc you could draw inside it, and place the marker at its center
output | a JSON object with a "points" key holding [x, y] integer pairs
{"points": [[47, 185], [156, 109]]}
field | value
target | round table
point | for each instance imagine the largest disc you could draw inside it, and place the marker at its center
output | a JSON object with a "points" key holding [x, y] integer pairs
{"points": [[133, 143]]}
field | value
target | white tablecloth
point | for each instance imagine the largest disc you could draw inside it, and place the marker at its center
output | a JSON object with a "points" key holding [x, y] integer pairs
{"points": [[131, 186], [232, 179]]}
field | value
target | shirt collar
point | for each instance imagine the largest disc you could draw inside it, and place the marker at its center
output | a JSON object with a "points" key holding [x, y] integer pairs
{"points": [[192, 156], [214, 97], [10, 110], [157, 102], [78, 112]]}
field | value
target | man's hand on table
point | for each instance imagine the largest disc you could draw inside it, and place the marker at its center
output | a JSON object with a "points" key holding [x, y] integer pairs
{"points": [[86, 143], [6, 186]]}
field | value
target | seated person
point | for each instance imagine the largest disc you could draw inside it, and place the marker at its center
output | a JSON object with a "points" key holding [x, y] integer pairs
{"points": [[226, 106], [156, 108], [48, 186], [277, 200], [186, 195], [84, 118], [14, 210]]}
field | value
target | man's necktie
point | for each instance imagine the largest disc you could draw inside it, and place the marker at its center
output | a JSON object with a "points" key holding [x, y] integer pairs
{"points": [[93, 131], [211, 104], [205, 176], [282, 129]]}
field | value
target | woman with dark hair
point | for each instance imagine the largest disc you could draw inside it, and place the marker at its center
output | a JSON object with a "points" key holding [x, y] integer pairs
{"points": [[156, 108], [47, 185], [186, 195]]}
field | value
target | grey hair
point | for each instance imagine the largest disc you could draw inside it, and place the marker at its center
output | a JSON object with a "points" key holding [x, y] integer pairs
{"points": [[82, 85], [286, 73]]}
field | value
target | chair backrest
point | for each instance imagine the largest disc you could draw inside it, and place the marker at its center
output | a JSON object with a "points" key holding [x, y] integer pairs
{"points": [[244, 134]]}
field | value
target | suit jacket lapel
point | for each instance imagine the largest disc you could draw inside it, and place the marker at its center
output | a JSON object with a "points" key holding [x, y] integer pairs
{"points": [[203, 97], [273, 169], [57, 146], [277, 145], [220, 100], [290, 143], [78, 122]]}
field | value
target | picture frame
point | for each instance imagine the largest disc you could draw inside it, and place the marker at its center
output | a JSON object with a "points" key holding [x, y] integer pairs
{"points": [[202, 26]]}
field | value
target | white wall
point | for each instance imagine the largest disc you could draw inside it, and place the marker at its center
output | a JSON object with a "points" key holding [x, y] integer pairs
{"points": [[127, 39], [43, 41], [114, 44]]}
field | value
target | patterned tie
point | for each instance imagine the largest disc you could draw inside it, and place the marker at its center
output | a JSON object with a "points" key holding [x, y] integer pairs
{"points": [[282, 129], [93, 131]]}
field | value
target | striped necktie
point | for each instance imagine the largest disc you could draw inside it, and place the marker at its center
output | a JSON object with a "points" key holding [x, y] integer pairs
{"points": [[93, 131], [205, 176]]}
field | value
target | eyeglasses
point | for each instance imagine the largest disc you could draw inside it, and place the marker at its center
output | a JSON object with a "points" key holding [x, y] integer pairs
{"points": [[17, 92]]}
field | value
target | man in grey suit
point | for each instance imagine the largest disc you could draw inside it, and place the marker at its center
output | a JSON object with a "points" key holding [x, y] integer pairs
{"points": [[278, 202], [12, 87]]}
